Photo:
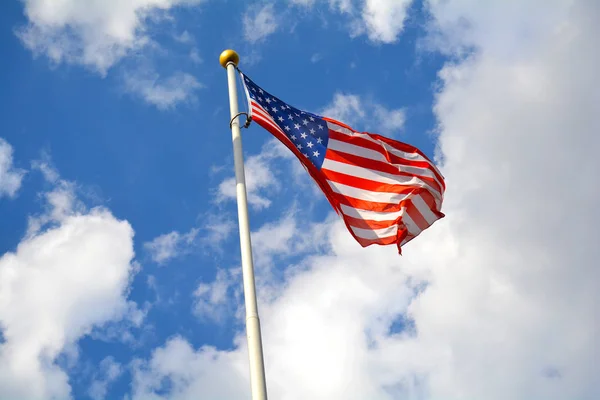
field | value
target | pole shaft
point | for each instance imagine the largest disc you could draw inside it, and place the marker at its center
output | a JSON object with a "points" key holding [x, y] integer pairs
{"points": [[257, 368]]}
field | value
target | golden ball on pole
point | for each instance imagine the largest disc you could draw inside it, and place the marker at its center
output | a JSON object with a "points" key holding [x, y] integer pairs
{"points": [[229, 56]]}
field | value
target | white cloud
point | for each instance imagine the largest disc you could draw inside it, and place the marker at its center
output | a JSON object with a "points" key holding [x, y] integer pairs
{"points": [[10, 177], [195, 56], [59, 284], [259, 23], [384, 19], [96, 34], [109, 370], [218, 227], [381, 20], [179, 364], [162, 93], [344, 6], [508, 311], [211, 299], [260, 177], [170, 245], [184, 37], [288, 236], [363, 114]]}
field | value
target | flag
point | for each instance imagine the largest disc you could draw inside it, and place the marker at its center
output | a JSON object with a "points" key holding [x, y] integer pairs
{"points": [[387, 192]]}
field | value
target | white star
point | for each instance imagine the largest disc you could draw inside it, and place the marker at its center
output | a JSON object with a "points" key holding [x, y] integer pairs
{"points": [[297, 115], [287, 128], [280, 119], [260, 99], [316, 153], [260, 91], [254, 89], [311, 119], [290, 117], [299, 146], [274, 109], [320, 126], [312, 131], [297, 126], [293, 137], [309, 144], [305, 122], [303, 135], [305, 155], [319, 140], [268, 100]]}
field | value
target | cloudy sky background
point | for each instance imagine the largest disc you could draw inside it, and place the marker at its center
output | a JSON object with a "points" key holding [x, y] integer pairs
{"points": [[119, 266]]}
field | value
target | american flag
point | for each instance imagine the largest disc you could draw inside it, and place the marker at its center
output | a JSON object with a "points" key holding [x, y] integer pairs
{"points": [[386, 191]]}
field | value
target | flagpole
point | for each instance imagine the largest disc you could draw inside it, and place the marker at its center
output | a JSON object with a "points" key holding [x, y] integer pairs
{"points": [[229, 60]]}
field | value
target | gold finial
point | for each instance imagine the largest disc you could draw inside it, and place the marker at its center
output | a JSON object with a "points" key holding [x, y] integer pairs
{"points": [[229, 56]]}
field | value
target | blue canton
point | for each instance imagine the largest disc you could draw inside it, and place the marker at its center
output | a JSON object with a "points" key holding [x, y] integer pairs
{"points": [[307, 131]]}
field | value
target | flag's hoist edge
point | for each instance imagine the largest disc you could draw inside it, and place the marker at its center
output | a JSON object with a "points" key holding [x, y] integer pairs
{"points": [[386, 191]]}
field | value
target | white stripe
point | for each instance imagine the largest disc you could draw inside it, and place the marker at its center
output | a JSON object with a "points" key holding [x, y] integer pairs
{"points": [[391, 149], [370, 215], [367, 195], [264, 113], [338, 128], [411, 226], [424, 209], [345, 147], [265, 117], [248, 98], [378, 176], [258, 117], [377, 156], [373, 234]]}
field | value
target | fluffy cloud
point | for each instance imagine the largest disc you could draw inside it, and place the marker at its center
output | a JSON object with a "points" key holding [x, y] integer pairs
{"points": [[108, 372], [352, 110], [210, 299], [259, 22], [496, 301], [69, 275], [96, 34], [260, 177], [209, 373], [10, 177], [381, 20], [159, 92], [384, 19], [170, 245]]}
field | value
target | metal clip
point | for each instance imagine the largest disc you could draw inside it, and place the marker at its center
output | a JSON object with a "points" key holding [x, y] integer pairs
{"points": [[248, 120]]}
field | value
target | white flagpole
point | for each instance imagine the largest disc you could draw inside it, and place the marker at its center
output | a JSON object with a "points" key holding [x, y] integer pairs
{"points": [[229, 60]]}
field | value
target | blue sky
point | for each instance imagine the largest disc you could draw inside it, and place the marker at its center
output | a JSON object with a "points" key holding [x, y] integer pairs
{"points": [[120, 269]]}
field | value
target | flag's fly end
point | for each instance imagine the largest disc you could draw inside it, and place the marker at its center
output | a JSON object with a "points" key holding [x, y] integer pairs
{"points": [[229, 56], [386, 191]]}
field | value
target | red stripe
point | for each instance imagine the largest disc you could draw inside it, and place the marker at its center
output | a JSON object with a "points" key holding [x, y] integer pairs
{"points": [[416, 216], [381, 241], [392, 158], [367, 184], [430, 201], [376, 166], [369, 224], [366, 205], [396, 144], [393, 167]]}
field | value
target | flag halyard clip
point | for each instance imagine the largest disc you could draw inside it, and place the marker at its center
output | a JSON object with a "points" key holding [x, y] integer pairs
{"points": [[246, 124]]}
